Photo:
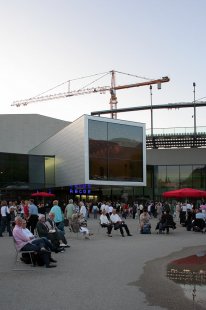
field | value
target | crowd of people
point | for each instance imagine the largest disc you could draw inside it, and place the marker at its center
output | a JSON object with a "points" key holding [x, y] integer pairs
{"points": [[35, 230]]}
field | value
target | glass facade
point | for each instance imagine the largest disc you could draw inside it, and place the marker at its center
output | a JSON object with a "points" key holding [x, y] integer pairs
{"points": [[159, 180], [174, 177], [18, 171], [115, 152]]}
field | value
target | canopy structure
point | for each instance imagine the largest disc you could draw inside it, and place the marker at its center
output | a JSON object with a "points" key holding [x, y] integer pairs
{"points": [[185, 193], [42, 194]]}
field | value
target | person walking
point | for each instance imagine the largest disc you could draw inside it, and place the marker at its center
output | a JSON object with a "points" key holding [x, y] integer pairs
{"points": [[58, 216], [33, 216]]}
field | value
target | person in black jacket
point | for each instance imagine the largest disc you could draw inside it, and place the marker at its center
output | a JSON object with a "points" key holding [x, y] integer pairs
{"points": [[166, 222], [43, 231]]}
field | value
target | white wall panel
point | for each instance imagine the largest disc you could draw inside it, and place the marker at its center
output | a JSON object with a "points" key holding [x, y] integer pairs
{"points": [[68, 148]]}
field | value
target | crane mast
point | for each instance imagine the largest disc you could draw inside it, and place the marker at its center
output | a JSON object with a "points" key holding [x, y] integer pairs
{"points": [[100, 89]]}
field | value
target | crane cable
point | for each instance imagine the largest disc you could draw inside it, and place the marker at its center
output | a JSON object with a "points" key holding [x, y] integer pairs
{"points": [[68, 81]]}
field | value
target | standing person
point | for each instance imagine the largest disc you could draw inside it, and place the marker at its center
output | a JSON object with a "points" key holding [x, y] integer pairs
{"points": [[21, 208], [41, 208], [134, 209], [76, 207], [69, 211], [12, 210], [141, 207], [26, 209], [83, 210], [58, 216], [95, 210], [5, 219], [110, 208], [33, 216]]}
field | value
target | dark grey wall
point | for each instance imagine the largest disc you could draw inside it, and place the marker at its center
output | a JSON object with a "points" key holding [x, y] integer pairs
{"points": [[176, 156]]}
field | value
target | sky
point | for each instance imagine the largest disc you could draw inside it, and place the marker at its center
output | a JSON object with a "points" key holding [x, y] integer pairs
{"points": [[45, 43]]}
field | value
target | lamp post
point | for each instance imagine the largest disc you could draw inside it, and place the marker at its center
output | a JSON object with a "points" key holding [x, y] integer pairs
{"points": [[195, 129], [151, 110]]}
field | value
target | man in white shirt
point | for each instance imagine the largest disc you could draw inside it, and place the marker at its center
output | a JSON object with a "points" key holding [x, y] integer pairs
{"points": [[5, 219], [104, 222], [119, 224]]}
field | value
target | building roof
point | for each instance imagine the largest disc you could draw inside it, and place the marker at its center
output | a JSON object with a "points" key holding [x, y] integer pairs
{"points": [[21, 132]]}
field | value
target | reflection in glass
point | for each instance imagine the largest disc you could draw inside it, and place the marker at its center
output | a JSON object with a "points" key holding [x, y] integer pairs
{"points": [[199, 176], [190, 273], [115, 151], [186, 176], [49, 171]]}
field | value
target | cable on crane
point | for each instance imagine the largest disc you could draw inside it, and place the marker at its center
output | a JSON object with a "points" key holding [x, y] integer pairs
{"points": [[68, 81], [139, 77], [94, 81]]}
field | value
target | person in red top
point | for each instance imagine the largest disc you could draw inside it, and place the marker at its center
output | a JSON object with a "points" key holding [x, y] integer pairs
{"points": [[26, 209]]}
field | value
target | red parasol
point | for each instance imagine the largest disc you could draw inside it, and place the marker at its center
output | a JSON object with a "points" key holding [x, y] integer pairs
{"points": [[42, 194], [185, 193]]}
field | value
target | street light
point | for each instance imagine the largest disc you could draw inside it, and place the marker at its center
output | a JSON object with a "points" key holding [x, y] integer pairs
{"points": [[195, 131], [151, 110]]}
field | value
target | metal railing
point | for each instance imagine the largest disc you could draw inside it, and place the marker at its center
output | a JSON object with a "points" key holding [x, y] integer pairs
{"points": [[176, 131]]}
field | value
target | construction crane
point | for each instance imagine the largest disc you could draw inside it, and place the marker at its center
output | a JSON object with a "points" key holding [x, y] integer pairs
{"points": [[100, 89]]}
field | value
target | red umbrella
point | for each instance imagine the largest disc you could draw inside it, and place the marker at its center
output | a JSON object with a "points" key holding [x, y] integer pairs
{"points": [[190, 269], [42, 194], [185, 193]]}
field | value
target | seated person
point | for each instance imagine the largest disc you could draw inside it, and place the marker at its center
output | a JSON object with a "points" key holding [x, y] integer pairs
{"points": [[76, 226], [51, 225], [144, 219], [104, 222], [166, 222], [189, 219], [43, 232], [119, 224], [25, 243], [200, 214], [198, 223], [29, 234]]}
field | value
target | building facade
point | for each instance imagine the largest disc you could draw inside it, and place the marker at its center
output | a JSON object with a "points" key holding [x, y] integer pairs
{"points": [[91, 158]]}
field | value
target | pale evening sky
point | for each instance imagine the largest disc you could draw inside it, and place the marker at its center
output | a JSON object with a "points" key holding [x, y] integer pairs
{"points": [[47, 42]]}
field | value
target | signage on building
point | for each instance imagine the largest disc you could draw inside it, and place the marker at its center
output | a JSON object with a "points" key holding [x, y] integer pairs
{"points": [[80, 189]]}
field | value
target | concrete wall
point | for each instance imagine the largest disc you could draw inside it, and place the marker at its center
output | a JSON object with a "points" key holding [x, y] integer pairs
{"points": [[21, 132], [176, 156]]}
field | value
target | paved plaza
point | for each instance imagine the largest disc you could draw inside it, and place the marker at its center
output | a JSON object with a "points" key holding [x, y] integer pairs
{"points": [[101, 273]]}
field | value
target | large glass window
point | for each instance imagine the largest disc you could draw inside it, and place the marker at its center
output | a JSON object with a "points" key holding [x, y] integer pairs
{"points": [[175, 177], [13, 169], [160, 176], [185, 176], [172, 181], [115, 151], [199, 177], [150, 173], [20, 171]]}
